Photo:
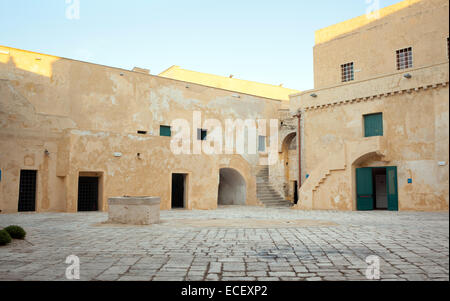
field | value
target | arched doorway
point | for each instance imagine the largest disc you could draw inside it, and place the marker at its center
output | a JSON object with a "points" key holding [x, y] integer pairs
{"points": [[290, 161], [375, 185], [232, 188]]}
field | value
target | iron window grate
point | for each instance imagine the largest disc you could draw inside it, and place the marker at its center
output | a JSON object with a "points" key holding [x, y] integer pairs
{"points": [[404, 58], [347, 72]]}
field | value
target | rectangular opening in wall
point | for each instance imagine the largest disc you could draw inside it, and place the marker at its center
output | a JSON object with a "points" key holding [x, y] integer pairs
{"points": [[88, 191], [27, 191], [373, 125], [380, 188], [404, 58], [347, 72], [179, 191], [165, 131], [202, 134], [295, 192], [142, 132], [262, 143]]}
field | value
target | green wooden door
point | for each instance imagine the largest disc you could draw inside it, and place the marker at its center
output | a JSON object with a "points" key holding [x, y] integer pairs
{"points": [[392, 188], [364, 189]]}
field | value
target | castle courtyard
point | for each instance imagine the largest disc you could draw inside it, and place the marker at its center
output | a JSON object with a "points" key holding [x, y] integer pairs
{"points": [[231, 243]]}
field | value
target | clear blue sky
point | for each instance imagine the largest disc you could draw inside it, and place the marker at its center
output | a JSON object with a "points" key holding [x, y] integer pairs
{"points": [[259, 40]]}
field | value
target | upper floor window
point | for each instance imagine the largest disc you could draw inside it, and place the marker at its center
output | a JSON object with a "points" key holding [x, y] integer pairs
{"points": [[347, 72], [262, 143], [202, 134], [404, 58], [373, 125], [165, 131]]}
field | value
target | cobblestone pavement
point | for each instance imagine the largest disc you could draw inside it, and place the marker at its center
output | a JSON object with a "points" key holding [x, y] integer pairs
{"points": [[231, 243]]}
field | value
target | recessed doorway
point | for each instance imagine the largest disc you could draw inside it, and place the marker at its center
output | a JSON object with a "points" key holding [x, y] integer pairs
{"points": [[376, 188], [27, 191], [179, 191], [88, 193]]}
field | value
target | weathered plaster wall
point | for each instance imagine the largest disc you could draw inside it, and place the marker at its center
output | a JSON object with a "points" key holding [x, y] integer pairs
{"points": [[82, 113], [415, 109], [372, 43], [416, 125]]}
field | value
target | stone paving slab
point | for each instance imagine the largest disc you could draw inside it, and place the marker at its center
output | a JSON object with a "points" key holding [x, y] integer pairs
{"points": [[231, 243]]}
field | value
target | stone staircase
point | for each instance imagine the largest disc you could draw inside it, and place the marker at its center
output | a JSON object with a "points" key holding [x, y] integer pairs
{"points": [[265, 192]]}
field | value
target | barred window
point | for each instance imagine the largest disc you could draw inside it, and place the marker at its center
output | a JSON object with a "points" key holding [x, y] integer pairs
{"points": [[347, 72], [404, 58]]}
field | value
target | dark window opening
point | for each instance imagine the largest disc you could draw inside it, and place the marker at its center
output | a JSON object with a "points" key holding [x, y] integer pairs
{"points": [[142, 132], [27, 191], [165, 131], [202, 134]]}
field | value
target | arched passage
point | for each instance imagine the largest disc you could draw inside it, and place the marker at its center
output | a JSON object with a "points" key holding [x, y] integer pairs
{"points": [[232, 188], [290, 161]]}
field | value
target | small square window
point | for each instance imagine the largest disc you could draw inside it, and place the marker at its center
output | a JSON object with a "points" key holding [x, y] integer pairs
{"points": [[373, 125], [165, 131], [404, 58], [347, 72], [202, 134]]}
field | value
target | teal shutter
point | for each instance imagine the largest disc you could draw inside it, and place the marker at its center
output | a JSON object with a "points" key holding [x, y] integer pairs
{"points": [[165, 131], [364, 189], [392, 188], [373, 125]]}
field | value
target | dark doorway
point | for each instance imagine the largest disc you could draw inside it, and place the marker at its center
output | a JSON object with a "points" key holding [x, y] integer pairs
{"points": [[295, 192], [178, 190], [27, 191], [88, 194], [380, 188]]}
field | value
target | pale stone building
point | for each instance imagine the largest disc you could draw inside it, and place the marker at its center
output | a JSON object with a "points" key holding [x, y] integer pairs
{"points": [[373, 134], [74, 134], [375, 129], [279, 180]]}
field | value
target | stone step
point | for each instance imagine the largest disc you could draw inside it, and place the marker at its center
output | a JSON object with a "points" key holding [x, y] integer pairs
{"points": [[272, 195], [279, 204], [265, 193], [269, 196]]}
